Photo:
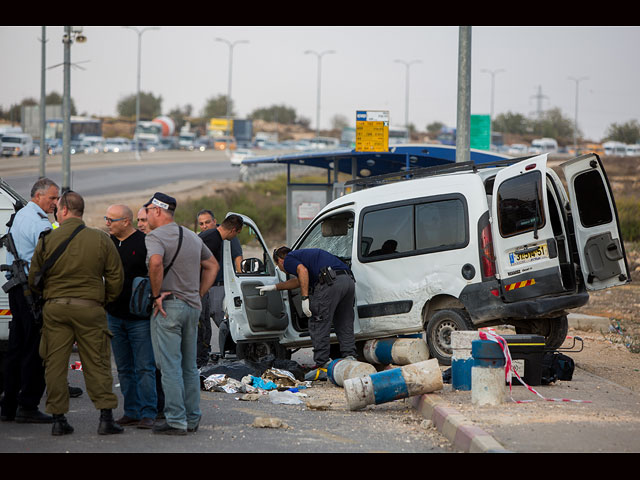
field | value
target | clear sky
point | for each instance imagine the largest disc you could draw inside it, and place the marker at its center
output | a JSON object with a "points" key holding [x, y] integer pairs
{"points": [[187, 66]]}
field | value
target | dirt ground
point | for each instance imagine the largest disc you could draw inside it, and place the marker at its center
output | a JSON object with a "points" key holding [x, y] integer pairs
{"points": [[605, 353]]}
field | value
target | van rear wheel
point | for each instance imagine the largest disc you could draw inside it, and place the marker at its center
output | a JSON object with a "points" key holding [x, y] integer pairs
{"points": [[438, 332], [554, 330]]}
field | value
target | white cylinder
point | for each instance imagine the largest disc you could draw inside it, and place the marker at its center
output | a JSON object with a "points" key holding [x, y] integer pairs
{"points": [[397, 351], [487, 386], [344, 369]]}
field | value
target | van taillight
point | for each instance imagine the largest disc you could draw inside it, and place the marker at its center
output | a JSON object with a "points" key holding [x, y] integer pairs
{"points": [[486, 248]]}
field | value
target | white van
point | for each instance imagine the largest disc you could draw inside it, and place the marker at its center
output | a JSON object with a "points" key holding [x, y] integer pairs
{"points": [[615, 149], [453, 248], [17, 144], [633, 150], [10, 202], [543, 145]]}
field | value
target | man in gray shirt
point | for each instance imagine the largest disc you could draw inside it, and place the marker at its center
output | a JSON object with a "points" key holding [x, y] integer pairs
{"points": [[177, 294]]}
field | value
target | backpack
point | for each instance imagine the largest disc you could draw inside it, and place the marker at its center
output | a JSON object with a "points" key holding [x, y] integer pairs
{"points": [[141, 303], [556, 366]]}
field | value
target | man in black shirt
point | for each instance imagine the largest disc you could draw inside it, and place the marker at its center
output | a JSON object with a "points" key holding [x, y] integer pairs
{"points": [[213, 238], [131, 342]]}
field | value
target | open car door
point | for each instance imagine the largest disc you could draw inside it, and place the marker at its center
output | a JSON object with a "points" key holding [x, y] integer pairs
{"points": [[595, 219], [523, 238], [253, 318]]}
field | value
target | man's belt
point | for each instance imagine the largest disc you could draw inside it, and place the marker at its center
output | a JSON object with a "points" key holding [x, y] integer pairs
{"points": [[85, 302]]}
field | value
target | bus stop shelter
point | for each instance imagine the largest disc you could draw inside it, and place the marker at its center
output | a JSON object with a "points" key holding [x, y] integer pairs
{"points": [[305, 200]]}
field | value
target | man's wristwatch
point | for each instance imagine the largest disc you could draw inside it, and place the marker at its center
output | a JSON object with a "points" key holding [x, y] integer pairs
{"points": [[305, 297], [155, 298]]}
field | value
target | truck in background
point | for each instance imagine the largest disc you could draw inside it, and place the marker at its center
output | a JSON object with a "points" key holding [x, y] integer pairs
{"points": [[16, 145], [151, 133]]}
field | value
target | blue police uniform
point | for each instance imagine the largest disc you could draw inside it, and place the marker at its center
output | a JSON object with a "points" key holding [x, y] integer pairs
{"points": [[331, 301]]}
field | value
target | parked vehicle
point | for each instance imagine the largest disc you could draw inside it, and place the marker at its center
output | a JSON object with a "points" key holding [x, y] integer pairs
{"points": [[204, 143], [240, 154], [17, 145], [517, 149], [117, 144], [225, 143], [450, 249], [187, 140], [93, 144], [615, 149], [633, 150], [543, 145]]}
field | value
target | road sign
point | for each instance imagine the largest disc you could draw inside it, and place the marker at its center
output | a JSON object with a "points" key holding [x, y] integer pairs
{"points": [[372, 131], [480, 132]]}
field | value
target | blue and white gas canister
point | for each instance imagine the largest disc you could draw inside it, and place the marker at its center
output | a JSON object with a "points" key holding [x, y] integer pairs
{"points": [[396, 383], [396, 351], [343, 369]]}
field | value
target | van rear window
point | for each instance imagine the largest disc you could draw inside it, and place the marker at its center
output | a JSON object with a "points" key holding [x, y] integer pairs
{"points": [[592, 199], [520, 207]]}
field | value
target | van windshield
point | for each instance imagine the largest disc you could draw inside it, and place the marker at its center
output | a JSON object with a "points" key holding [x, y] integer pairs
{"points": [[11, 140]]}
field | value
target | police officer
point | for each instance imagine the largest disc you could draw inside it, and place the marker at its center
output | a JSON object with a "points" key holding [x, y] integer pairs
{"points": [[24, 382], [86, 276], [327, 287]]}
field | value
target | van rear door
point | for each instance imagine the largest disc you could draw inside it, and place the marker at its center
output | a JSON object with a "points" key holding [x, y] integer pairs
{"points": [[595, 219], [525, 249]]}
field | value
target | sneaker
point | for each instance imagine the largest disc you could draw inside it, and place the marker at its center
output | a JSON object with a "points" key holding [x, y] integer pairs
{"points": [[166, 429]]}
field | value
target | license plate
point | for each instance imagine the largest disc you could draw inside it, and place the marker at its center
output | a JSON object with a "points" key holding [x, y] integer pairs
{"points": [[530, 255]]}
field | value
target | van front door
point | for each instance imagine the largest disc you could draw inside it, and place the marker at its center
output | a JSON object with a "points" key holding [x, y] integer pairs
{"points": [[595, 219], [253, 318], [523, 238]]}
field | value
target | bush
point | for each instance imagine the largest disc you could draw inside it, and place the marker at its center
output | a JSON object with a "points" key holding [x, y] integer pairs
{"points": [[629, 216]]}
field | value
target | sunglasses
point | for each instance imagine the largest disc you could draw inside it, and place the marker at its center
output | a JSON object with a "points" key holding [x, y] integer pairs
{"points": [[111, 220]]}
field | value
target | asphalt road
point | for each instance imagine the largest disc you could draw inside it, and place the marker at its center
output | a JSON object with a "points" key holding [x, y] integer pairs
{"points": [[110, 173]]}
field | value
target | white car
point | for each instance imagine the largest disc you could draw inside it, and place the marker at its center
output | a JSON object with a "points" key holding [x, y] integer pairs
{"points": [[518, 149], [117, 144], [240, 154]]}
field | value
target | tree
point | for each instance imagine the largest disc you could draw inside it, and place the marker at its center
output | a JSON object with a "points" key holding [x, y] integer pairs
{"points": [[179, 115], [338, 122], [150, 106], [275, 113], [434, 128], [553, 124], [511, 123], [628, 132], [216, 107]]}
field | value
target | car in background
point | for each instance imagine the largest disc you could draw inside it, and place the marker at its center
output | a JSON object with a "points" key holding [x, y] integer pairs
{"points": [[93, 144], [204, 143], [225, 143], [16, 145], [518, 149], [116, 145], [239, 155]]}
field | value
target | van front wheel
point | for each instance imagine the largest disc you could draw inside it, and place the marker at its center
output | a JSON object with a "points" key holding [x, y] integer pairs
{"points": [[438, 332]]}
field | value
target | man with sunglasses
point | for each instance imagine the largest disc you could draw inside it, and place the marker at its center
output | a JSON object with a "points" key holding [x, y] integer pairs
{"points": [[85, 277], [131, 341]]}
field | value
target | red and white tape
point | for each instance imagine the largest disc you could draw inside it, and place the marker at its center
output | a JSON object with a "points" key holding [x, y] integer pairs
{"points": [[509, 369]]}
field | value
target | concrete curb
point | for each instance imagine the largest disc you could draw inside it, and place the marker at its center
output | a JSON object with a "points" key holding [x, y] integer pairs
{"points": [[463, 434]]}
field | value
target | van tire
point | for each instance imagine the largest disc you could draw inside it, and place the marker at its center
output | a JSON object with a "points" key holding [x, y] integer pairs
{"points": [[554, 330], [254, 351], [438, 332]]}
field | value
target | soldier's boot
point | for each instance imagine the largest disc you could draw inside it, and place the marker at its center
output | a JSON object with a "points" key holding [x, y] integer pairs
{"points": [[107, 423], [60, 425]]}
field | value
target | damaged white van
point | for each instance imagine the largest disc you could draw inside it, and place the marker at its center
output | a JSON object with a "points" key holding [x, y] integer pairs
{"points": [[452, 247]]}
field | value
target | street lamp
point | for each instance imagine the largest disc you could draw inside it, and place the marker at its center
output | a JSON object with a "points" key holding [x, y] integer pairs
{"points": [[406, 108], [319, 55], [575, 131], [70, 34], [139, 32], [230, 45], [493, 74]]}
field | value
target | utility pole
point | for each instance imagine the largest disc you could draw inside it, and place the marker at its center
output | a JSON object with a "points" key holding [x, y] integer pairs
{"points": [[539, 97], [406, 97], [319, 55], [230, 45], [43, 106], [575, 127], [463, 134]]}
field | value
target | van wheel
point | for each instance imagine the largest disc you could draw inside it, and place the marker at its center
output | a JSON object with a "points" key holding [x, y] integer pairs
{"points": [[439, 329], [254, 351], [554, 330]]}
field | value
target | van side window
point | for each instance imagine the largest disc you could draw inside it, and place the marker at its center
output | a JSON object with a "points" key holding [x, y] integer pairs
{"points": [[333, 234], [414, 228], [520, 207], [592, 199]]}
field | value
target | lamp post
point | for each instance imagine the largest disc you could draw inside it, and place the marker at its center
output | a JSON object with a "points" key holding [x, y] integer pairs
{"points": [[463, 113], [230, 45], [406, 108], [139, 32], [70, 34], [493, 74], [319, 55], [575, 130], [43, 116]]}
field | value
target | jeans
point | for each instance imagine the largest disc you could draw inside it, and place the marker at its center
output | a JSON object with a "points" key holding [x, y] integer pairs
{"points": [[174, 340], [133, 353]]}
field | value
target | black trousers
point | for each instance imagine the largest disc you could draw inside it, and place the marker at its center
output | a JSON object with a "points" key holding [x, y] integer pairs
{"points": [[24, 382]]}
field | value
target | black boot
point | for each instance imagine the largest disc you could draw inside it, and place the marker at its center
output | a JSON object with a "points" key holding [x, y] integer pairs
{"points": [[60, 425], [107, 423]]}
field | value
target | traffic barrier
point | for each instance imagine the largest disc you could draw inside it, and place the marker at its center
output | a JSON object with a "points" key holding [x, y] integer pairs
{"points": [[487, 373], [396, 383], [343, 369], [397, 351], [461, 358]]}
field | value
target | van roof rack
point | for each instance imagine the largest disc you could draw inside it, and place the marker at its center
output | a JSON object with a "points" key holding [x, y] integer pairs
{"points": [[429, 172]]}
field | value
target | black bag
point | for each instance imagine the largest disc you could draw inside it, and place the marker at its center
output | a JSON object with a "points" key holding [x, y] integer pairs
{"points": [[556, 366], [141, 303]]}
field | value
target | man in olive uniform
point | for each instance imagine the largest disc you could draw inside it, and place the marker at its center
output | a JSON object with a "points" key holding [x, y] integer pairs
{"points": [[75, 289]]}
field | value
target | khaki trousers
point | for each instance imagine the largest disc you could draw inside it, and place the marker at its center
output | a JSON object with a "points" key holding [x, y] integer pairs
{"points": [[87, 325]]}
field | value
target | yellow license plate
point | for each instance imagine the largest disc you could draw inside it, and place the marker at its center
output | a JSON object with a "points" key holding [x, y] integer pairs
{"points": [[528, 255]]}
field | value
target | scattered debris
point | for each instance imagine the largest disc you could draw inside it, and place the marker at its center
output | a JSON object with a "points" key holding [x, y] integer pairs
{"points": [[316, 404], [269, 422]]}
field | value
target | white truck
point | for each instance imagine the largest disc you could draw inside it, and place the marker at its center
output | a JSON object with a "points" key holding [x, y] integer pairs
{"points": [[17, 145]]}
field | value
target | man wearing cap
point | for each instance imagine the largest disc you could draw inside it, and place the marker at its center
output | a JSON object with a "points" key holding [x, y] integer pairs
{"points": [[177, 294]]}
